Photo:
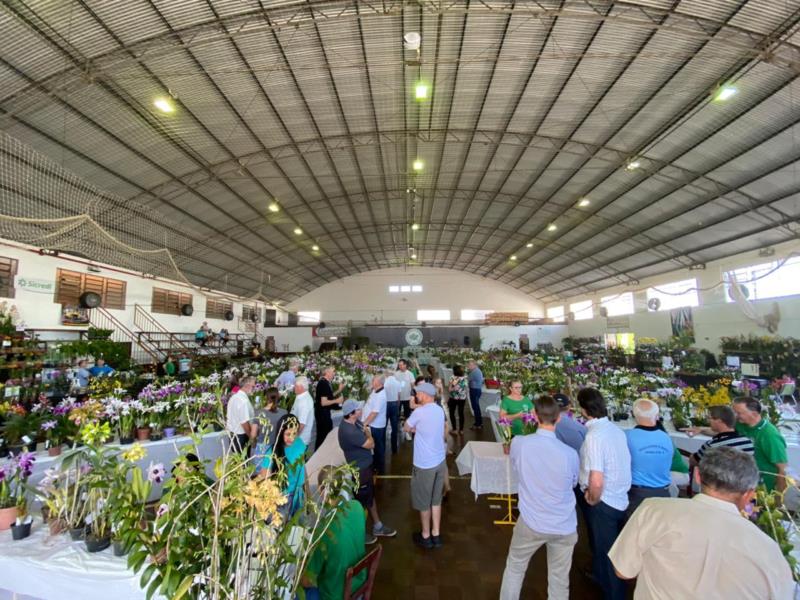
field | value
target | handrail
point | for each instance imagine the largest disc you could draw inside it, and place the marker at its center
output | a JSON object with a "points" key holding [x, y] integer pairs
{"points": [[102, 319], [144, 320]]}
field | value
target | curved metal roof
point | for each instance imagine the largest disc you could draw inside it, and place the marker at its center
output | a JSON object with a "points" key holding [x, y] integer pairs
{"points": [[532, 106]]}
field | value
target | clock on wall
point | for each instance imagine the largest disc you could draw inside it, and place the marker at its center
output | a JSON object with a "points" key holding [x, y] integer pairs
{"points": [[413, 337]]}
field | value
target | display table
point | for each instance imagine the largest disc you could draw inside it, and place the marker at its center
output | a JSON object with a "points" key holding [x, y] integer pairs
{"points": [[491, 474]]}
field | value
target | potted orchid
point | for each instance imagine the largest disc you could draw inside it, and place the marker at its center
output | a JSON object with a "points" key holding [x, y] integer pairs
{"points": [[13, 476], [529, 423], [504, 427], [54, 435]]}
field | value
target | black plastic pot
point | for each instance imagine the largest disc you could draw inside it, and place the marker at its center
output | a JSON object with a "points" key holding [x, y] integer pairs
{"points": [[96, 545], [20, 532], [125, 441], [156, 437], [120, 548], [217, 427], [77, 533]]}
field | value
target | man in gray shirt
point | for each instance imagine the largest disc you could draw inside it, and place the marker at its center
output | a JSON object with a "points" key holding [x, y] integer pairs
{"points": [[475, 379], [568, 430]]}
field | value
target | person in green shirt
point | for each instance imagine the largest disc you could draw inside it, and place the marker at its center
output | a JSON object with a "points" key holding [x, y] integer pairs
{"points": [[340, 548], [170, 367], [514, 405], [770, 445]]}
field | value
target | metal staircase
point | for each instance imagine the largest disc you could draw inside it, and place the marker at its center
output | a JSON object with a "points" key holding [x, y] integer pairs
{"points": [[141, 350], [154, 334]]}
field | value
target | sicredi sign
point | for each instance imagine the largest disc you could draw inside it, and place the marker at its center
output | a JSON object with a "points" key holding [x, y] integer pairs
{"points": [[36, 285]]}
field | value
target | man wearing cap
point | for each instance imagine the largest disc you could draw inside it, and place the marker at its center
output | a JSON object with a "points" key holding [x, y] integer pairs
{"points": [[427, 422], [568, 430], [357, 443], [375, 419]]}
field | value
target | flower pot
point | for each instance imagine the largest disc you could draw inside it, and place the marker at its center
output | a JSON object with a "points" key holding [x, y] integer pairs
{"points": [[8, 516], [156, 436], [20, 532], [77, 533], [217, 427], [142, 434], [45, 513], [169, 432], [94, 544], [506, 448], [54, 450], [125, 441], [15, 449], [57, 526], [120, 548]]}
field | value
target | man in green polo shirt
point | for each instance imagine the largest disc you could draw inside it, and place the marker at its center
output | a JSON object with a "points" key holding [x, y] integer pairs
{"points": [[770, 446], [340, 548]]}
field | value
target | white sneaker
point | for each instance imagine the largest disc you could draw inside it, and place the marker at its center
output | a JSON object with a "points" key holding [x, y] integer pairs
{"points": [[408, 437]]}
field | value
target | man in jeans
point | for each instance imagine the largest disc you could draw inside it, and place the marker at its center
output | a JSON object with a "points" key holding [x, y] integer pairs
{"points": [[475, 379], [375, 411], [392, 388], [547, 471]]}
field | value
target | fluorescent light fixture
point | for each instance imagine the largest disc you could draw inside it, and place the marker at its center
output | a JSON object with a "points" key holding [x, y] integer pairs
{"points": [[584, 202], [315, 248], [513, 257], [418, 165], [421, 90], [552, 227], [415, 226], [164, 104], [725, 92], [273, 207], [633, 164], [298, 231], [529, 245]]}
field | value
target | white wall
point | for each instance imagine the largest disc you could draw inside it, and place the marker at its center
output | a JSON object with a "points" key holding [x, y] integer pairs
{"points": [[713, 319], [365, 297], [39, 311], [290, 339], [496, 335]]}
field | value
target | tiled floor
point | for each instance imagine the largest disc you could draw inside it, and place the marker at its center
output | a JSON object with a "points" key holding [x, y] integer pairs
{"points": [[470, 564]]}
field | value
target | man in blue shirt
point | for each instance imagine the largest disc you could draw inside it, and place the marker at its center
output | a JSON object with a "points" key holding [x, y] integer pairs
{"points": [[475, 380], [651, 456], [568, 430], [287, 378], [100, 368], [547, 470], [82, 374]]}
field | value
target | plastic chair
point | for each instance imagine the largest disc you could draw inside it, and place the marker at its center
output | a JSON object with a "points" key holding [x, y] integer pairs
{"points": [[370, 561]]}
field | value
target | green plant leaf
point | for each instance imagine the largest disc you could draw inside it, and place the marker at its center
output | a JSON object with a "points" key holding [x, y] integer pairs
{"points": [[184, 587]]}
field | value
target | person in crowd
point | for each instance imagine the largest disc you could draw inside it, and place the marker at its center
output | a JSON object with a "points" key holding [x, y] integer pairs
{"points": [[82, 374], [427, 423], [341, 547], [101, 369], [238, 422], [651, 452], [722, 422], [458, 392], [184, 366], [433, 377], [255, 352], [605, 478], [391, 386], [514, 405], [286, 379], [264, 428], [406, 379], [357, 443], [303, 409], [223, 336], [325, 400], [201, 335], [286, 460], [170, 368], [568, 429], [547, 471], [704, 547], [375, 419], [769, 443], [475, 379]]}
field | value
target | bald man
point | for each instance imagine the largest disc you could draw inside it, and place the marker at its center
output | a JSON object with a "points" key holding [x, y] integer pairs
{"points": [[651, 456]]}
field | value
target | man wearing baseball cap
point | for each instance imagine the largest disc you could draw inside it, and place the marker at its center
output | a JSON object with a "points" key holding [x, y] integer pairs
{"points": [[568, 430], [427, 422], [357, 444]]}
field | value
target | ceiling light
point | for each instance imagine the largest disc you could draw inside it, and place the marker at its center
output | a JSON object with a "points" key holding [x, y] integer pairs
{"points": [[529, 245], [164, 104], [273, 206], [552, 227], [513, 257], [415, 226], [418, 165], [633, 164], [412, 40], [725, 92], [421, 91], [584, 202], [298, 231], [315, 248], [413, 257]]}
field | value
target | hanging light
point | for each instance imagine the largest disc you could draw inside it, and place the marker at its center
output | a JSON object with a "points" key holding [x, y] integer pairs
{"points": [[273, 207], [633, 164], [164, 104], [415, 226], [513, 257], [725, 92], [412, 40], [298, 231], [421, 90], [418, 165], [413, 257], [584, 202], [552, 227], [529, 245], [315, 248]]}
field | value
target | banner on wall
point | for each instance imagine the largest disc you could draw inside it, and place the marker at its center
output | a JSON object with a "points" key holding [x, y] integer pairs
{"points": [[74, 316], [682, 322]]}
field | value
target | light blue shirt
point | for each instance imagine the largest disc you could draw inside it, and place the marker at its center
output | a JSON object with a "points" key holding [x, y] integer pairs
{"points": [[82, 376], [547, 471], [651, 456], [475, 378], [569, 431], [285, 379]]}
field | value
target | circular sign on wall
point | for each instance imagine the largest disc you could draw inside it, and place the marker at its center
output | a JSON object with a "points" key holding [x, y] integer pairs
{"points": [[413, 337]]}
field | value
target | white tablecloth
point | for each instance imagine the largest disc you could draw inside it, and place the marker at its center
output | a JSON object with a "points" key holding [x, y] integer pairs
{"points": [[490, 467]]}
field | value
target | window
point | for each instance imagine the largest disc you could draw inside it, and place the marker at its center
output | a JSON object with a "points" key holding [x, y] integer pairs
{"points": [[71, 285], [433, 315], [471, 314], [169, 302], [674, 295], [8, 270], [581, 310], [405, 289], [768, 280], [618, 304], [556, 313], [251, 313], [308, 316], [216, 309]]}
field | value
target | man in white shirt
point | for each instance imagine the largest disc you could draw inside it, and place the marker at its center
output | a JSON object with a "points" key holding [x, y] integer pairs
{"points": [[406, 380], [547, 471], [303, 409], [286, 379], [392, 388], [240, 414], [704, 547], [605, 478], [427, 422], [375, 418]]}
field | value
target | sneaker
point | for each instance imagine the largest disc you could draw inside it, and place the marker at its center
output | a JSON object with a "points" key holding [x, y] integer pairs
{"points": [[437, 541], [369, 539], [384, 531], [408, 437], [426, 543]]}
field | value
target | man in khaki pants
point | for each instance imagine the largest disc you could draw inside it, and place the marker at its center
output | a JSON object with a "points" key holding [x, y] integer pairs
{"points": [[547, 471]]}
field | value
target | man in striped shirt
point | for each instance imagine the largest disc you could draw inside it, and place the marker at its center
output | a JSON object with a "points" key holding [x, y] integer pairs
{"points": [[722, 420]]}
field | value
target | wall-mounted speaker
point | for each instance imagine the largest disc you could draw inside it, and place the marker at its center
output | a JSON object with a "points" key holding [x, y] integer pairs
{"points": [[187, 310], [229, 315], [90, 300]]}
